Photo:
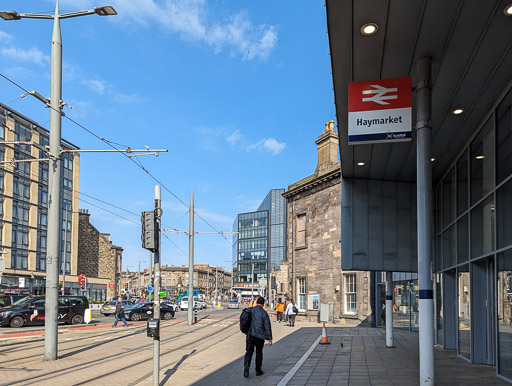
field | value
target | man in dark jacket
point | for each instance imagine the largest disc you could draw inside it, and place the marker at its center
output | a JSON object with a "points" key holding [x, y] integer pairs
{"points": [[120, 313], [259, 332]]}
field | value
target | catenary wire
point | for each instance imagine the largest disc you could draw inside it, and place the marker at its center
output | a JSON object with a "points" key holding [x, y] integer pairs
{"points": [[130, 158]]}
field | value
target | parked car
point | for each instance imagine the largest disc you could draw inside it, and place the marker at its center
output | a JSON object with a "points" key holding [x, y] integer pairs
{"points": [[233, 304], [142, 311], [31, 311], [170, 304], [184, 303], [202, 304], [109, 308]]}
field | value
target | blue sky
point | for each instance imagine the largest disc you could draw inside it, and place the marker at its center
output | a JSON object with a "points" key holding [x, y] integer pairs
{"points": [[237, 91]]}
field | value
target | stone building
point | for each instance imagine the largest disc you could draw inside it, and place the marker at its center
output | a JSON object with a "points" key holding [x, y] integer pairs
{"points": [[175, 279], [280, 281], [314, 249], [98, 258]]}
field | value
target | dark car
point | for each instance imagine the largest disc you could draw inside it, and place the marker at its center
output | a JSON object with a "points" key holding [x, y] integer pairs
{"points": [[109, 308], [144, 311], [7, 300], [31, 311]]}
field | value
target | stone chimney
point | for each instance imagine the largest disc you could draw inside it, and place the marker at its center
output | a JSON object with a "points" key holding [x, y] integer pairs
{"points": [[327, 144]]}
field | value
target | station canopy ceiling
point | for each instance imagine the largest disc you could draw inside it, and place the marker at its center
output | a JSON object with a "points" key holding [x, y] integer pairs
{"points": [[470, 44]]}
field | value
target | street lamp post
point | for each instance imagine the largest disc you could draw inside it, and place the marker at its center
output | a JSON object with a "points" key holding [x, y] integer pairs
{"points": [[54, 180]]}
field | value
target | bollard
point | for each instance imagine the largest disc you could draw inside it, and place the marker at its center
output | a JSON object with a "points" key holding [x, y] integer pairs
{"points": [[195, 315]]}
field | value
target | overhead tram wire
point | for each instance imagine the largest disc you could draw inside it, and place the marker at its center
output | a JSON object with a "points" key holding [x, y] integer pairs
{"points": [[130, 158]]}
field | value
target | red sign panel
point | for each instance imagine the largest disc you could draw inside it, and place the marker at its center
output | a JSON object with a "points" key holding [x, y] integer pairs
{"points": [[81, 278], [380, 94], [379, 111], [111, 285]]}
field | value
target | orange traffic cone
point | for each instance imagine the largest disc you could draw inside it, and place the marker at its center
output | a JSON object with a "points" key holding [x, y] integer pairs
{"points": [[324, 336]]}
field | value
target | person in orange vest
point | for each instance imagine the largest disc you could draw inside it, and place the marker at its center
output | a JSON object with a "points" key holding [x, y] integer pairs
{"points": [[280, 310]]}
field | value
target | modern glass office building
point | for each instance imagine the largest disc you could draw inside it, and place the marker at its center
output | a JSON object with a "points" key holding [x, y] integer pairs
{"points": [[276, 205], [251, 249], [260, 243]]}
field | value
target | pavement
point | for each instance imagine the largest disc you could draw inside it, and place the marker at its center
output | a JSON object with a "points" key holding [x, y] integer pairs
{"points": [[354, 356], [211, 353]]}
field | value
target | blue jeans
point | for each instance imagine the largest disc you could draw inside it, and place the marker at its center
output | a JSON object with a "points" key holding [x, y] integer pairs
{"points": [[120, 317]]}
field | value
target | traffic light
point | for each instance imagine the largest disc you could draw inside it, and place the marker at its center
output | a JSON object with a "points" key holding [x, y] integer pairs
{"points": [[149, 231], [82, 283], [126, 286]]}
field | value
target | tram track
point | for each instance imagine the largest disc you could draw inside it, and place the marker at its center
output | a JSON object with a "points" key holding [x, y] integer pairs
{"points": [[121, 356]]}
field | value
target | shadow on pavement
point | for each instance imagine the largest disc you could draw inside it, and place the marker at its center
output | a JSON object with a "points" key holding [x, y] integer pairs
{"points": [[278, 359], [170, 372]]}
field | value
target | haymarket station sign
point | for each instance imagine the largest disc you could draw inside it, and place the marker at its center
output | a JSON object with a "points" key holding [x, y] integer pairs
{"points": [[379, 111]]}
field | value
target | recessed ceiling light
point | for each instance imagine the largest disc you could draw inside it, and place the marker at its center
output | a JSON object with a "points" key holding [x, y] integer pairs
{"points": [[457, 111], [432, 159], [508, 10], [480, 157], [369, 29], [360, 164]]}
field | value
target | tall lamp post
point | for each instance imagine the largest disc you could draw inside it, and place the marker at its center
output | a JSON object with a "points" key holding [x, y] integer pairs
{"points": [[54, 180]]}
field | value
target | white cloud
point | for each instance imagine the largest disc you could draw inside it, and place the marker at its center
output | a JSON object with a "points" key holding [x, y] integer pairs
{"points": [[234, 138], [96, 85], [192, 20], [268, 144], [5, 37], [127, 99], [26, 55]]}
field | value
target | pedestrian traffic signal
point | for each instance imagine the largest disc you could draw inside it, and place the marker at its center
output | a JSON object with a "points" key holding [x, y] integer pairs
{"points": [[149, 231]]}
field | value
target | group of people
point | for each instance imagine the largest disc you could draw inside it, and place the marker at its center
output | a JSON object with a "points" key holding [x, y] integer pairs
{"points": [[286, 312]]}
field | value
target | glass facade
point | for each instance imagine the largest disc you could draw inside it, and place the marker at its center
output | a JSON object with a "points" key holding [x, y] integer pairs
{"points": [[275, 204], [260, 242], [474, 246], [252, 247]]}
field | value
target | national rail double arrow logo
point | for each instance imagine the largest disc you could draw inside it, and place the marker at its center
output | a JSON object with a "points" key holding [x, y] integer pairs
{"points": [[380, 96]]}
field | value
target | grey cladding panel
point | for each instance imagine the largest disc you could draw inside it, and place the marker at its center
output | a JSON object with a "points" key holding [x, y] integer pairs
{"points": [[378, 226]]}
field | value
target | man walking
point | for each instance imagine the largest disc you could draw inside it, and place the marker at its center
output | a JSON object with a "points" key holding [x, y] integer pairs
{"points": [[120, 313], [259, 332]]}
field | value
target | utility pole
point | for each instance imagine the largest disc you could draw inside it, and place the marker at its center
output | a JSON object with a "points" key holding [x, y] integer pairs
{"points": [[156, 340], [138, 278], [65, 250], [54, 177], [190, 310], [216, 295], [150, 274], [252, 281], [208, 282]]}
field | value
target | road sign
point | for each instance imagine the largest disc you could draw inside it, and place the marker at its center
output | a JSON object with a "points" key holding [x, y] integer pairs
{"points": [[262, 281], [111, 285], [150, 288], [380, 111], [81, 278], [2, 265]]}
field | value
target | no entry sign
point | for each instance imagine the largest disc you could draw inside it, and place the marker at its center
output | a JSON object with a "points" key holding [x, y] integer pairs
{"points": [[379, 111]]}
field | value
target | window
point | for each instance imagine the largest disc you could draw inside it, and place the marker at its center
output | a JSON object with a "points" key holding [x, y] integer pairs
{"points": [[43, 218], [350, 293], [67, 161], [19, 237], [300, 231], [19, 260], [68, 183], [43, 171], [301, 286], [21, 168], [19, 212], [43, 195], [1, 207], [24, 134], [504, 138], [21, 188], [482, 163]]}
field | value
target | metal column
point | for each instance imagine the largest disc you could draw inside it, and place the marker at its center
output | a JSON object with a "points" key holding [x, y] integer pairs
{"points": [[54, 184], [191, 261], [156, 289], [424, 197], [389, 309]]}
